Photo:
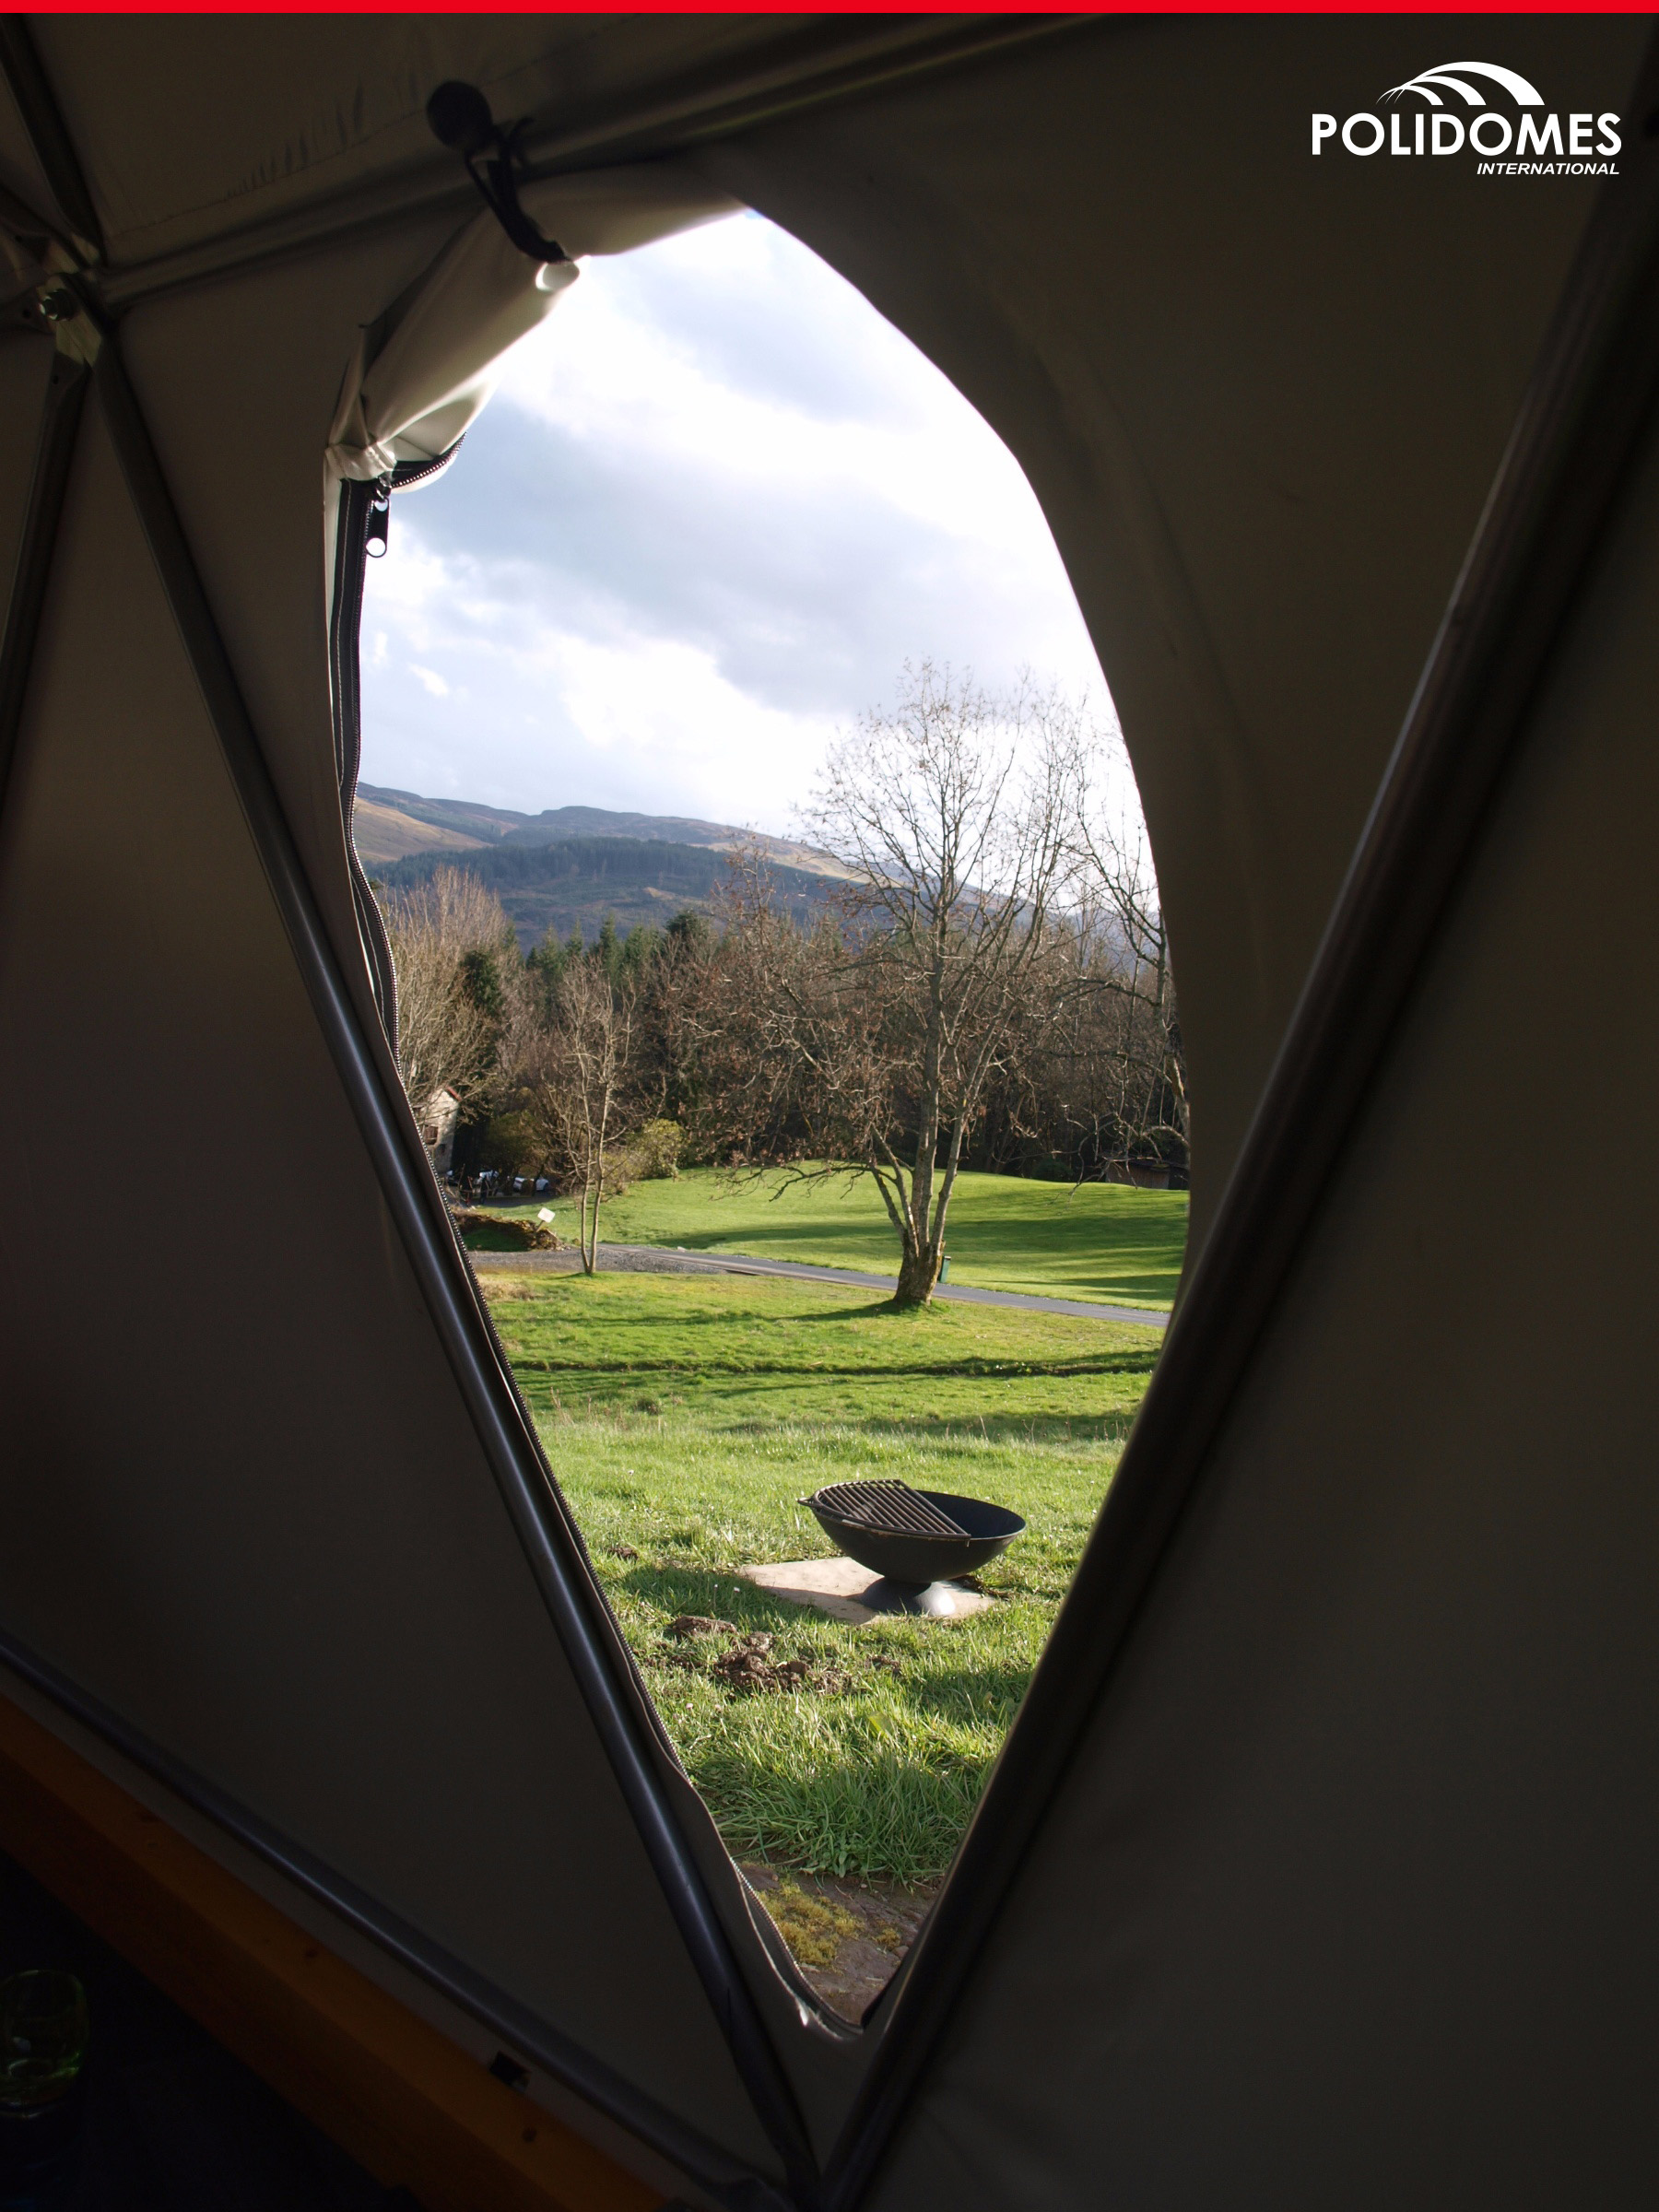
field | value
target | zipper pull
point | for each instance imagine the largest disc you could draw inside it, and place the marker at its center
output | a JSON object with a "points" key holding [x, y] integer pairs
{"points": [[378, 529]]}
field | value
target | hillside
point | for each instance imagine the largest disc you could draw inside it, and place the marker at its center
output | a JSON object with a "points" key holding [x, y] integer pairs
{"points": [[388, 815], [381, 832], [573, 882]]}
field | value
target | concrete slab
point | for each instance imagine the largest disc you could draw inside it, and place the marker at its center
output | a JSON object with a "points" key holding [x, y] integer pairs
{"points": [[838, 1587]]}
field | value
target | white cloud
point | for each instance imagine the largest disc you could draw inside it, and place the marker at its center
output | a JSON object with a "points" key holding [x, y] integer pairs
{"points": [[715, 502]]}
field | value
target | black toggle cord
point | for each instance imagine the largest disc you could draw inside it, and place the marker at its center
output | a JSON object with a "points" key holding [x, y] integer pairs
{"points": [[460, 117]]}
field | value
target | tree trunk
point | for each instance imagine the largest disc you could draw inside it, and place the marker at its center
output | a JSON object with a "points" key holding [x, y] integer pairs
{"points": [[588, 1242], [918, 1272]]}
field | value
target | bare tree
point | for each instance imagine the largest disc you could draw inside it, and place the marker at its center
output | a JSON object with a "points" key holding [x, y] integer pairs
{"points": [[578, 1089], [1134, 1093], [865, 1044], [458, 973]]}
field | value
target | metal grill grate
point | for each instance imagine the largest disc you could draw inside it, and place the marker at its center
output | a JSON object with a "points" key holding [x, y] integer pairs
{"points": [[892, 1507]]}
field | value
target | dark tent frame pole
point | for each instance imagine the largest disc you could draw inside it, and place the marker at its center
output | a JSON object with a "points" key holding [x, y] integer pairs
{"points": [[1592, 395], [55, 454], [42, 118]]}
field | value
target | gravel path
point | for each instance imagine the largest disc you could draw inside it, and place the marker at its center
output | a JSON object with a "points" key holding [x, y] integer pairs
{"points": [[657, 1259]]}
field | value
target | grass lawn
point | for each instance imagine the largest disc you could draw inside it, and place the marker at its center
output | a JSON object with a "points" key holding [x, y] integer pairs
{"points": [[684, 1415], [1102, 1240]]}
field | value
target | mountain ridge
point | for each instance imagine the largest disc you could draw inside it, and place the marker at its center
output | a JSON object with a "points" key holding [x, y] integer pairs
{"points": [[555, 872], [410, 812]]}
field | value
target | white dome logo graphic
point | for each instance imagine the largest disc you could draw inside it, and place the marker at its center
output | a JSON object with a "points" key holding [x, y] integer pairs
{"points": [[1476, 108], [1449, 76]]}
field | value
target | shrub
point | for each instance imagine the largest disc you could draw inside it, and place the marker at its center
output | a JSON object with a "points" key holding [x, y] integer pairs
{"points": [[652, 1153]]}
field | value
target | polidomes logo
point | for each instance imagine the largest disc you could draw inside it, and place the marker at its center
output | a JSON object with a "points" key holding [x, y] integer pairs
{"points": [[1548, 145], [1448, 76]]}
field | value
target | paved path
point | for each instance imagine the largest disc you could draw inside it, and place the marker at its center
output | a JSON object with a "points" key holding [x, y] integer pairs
{"points": [[657, 1259]]}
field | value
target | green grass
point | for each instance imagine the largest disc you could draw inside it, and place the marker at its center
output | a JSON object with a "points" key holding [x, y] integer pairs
{"points": [[685, 1416], [1102, 1240]]}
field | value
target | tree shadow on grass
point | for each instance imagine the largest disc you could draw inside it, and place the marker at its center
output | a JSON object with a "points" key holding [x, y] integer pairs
{"points": [[971, 1369], [878, 1309], [703, 1593], [963, 1432], [1129, 1256]]}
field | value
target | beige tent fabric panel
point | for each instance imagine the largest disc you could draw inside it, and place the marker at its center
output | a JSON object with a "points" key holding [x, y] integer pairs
{"points": [[1261, 399], [435, 371], [193, 125], [242, 1504], [269, 349], [25, 366], [1351, 1897], [277, 341]]}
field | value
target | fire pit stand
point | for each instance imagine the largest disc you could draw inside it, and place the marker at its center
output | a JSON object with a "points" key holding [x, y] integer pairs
{"points": [[919, 1542]]}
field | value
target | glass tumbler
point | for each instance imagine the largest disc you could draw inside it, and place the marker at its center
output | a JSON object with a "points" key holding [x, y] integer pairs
{"points": [[43, 2032]]}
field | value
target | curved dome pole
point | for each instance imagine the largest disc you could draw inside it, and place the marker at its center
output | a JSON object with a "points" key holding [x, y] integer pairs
{"points": [[65, 400], [53, 146], [1593, 393]]}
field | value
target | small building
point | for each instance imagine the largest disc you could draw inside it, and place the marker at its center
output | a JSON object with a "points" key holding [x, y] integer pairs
{"points": [[1145, 1174], [438, 1118]]}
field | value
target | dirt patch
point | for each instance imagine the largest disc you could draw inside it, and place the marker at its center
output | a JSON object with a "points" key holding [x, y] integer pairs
{"points": [[750, 1666], [847, 1938], [497, 1232], [746, 1664]]}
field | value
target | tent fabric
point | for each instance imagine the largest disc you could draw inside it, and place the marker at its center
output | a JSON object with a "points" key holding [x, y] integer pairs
{"points": [[1344, 1892], [278, 338], [1261, 399], [1336, 1864], [335, 1654], [414, 396], [424, 392], [246, 121]]}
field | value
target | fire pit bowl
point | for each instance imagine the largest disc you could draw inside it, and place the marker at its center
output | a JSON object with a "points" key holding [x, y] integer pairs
{"points": [[917, 1536]]}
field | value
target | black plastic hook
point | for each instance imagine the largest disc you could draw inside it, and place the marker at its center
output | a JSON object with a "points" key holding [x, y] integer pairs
{"points": [[460, 117]]}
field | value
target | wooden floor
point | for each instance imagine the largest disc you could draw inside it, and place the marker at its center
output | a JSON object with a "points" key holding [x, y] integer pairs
{"points": [[271, 2006], [164, 2119]]}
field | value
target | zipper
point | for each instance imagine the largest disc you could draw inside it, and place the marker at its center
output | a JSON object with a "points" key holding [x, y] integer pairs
{"points": [[365, 521], [351, 551]]}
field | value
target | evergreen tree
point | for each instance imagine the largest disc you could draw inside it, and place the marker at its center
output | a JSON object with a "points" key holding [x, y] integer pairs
{"points": [[607, 950]]}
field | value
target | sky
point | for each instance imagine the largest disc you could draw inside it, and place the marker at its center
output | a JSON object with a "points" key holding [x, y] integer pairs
{"points": [[715, 503]]}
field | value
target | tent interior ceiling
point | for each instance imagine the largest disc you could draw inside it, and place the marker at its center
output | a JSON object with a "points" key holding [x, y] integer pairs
{"points": [[1342, 1890], [306, 109]]}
